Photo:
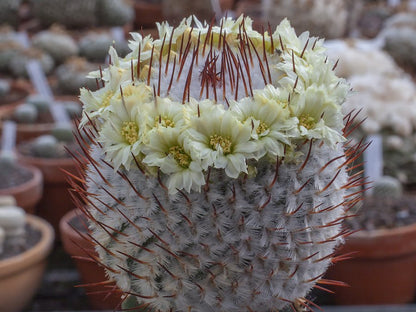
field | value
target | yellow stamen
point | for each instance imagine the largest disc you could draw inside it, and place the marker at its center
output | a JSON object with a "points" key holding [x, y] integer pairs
{"points": [[181, 157], [218, 140], [130, 132], [164, 122], [307, 121], [262, 128], [106, 98]]}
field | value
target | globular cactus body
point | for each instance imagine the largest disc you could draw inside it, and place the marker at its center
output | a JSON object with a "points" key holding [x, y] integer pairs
{"points": [[214, 190], [9, 12], [387, 187], [72, 75], [59, 45]]}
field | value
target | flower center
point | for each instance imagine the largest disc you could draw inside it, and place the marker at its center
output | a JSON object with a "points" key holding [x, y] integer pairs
{"points": [[181, 157], [164, 122], [218, 140], [129, 132], [262, 128], [106, 98], [307, 121]]}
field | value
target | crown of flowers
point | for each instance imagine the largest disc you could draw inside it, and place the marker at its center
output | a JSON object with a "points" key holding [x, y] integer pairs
{"points": [[204, 96]]}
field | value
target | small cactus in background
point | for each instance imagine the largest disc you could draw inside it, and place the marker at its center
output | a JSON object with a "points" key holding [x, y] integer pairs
{"points": [[9, 12], [400, 41], [57, 43], [72, 14], [63, 132], [72, 75], [45, 146], [323, 18], [17, 65], [4, 87], [218, 177], [84, 13], [94, 46], [40, 102], [25, 113], [115, 12], [8, 49], [387, 188]]}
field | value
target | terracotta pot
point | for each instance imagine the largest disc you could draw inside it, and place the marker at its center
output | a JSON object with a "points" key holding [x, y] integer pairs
{"points": [[56, 199], [90, 272], [18, 92], [383, 271], [26, 132], [21, 275], [29, 193], [147, 14]]}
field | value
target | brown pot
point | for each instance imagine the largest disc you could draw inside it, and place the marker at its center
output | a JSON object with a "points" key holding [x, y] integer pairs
{"points": [[29, 193], [18, 92], [147, 14], [91, 273], [26, 132], [56, 199], [21, 275], [383, 270]]}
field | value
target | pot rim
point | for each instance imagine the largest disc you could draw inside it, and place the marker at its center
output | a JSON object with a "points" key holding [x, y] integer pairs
{"points": [[36, 179], [36, 254]]}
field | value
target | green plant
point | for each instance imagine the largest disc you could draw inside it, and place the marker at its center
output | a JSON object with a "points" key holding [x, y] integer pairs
{"points": [[72, 75], [217, 177], [94, 46], [387, 188], [25, 113], [74, 13], [57, 43], [115, 12], [8, 49], [40, 102], [18, 61]]}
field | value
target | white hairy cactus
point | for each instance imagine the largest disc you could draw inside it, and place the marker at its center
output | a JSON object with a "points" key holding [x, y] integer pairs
{"points": [[217, 176], [324, 18]]}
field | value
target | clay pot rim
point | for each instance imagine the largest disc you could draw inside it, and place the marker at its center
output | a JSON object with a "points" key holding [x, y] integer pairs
{"points": [[73, 243], [35, 254], [46, 162], [381, 233], [35, 180]]}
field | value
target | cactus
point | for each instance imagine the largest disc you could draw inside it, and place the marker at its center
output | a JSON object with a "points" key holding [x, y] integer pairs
{"points": [[323, 18], [218, 178], [63, 132], [72, 75], [9, 12], [8, 49], [57, 43], [25, 113], [4, 87], [94, 46], [73, 109], [40, 102], [387, 188], [17, 65], [73, 14], [400, 43], [115, 12], [45, 146], [12, 228]]}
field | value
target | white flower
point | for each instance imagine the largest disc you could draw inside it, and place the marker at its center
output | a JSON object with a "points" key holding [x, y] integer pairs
{"points": [[169, 150], [319, 117], [97, 102], [268, 116], [221, 141], [123, 128]]}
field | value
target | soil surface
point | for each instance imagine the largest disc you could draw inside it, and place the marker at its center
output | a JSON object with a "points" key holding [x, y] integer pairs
{"points": [[384, 214], [12, 175], [14, 247]]}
